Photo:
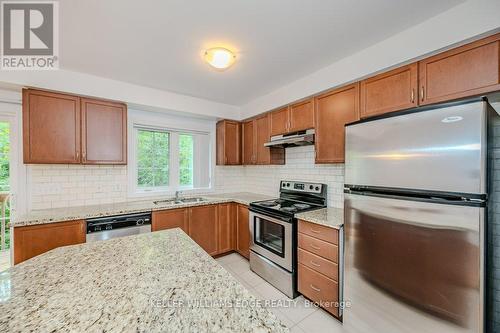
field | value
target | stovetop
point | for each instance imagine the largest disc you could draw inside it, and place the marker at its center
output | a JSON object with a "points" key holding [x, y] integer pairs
{"points": [[285, 206], [295, 197]]}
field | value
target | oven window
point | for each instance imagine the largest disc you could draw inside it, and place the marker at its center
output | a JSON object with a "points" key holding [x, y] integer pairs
{"points": [[270, 235]]}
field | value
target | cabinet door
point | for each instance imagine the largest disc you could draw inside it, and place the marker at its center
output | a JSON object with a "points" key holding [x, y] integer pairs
{"points": [[301, 116], [51, 127], [228, 142], [333, 110], [469, 70], [104, 132], [243, 232], [203, 227], [262, 133], [279, 121], [33, 240], [248, 143], [171, 218], [226, 227], [390, 91]]}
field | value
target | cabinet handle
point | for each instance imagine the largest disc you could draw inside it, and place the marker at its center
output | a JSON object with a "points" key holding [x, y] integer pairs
{"points": [[315, 288], [77, 155], [422, 93], [413, 95], [84, 156], [315, 264], [315, 247], [225, 160], [315, 231]]}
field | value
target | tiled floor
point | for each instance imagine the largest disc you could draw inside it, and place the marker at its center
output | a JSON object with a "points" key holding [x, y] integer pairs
{"points": [[300, 317]]}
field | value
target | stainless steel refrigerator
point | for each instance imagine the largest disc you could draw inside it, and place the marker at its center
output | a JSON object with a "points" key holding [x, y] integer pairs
{"points": [[415, 218]]}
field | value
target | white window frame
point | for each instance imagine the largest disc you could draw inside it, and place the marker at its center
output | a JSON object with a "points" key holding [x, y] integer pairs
{"points": [[175, 126]]}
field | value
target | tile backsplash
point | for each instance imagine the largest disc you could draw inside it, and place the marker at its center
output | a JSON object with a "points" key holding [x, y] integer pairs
{"points": [[53, 186]]}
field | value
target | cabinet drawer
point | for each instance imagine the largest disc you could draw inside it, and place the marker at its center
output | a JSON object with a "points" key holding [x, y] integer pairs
{"points": [[319, 264], [318, 231], [323, 249], [319, 288]]}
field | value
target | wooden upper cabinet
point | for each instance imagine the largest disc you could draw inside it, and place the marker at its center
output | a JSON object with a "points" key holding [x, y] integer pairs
{"points": [[203, 228], [30, 241], [169, 219], [228, 142], [67, 129], [243, 231], [472, 69], [279, 121], [51, 127], [293, 118], [333, 110], [301, 116], [262, 132], [390, 91], [249, 147], [104, 132]]}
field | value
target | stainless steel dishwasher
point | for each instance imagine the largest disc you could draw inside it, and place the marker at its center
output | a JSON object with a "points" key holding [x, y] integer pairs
{"points": [[103, 228]]}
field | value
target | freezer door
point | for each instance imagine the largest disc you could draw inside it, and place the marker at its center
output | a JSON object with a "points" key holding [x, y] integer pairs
{"points": [[442, 150], [412, 267]]}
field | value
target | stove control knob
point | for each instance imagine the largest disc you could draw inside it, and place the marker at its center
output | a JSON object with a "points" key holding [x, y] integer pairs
{"points": [[140, 222], [287, 184], [317, 188], [311, 187]]}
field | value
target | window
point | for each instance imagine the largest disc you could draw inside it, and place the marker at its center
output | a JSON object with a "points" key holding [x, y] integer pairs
{"points": [[186, 157], [164, 160], [153, 158]]}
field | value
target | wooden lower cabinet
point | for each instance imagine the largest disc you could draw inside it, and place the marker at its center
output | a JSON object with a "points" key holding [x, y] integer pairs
{"points": [[30, 241], [168, 219], [213, 227], [243, 232], [203, 228], [319, 288], [226, 228], [318, 269]]}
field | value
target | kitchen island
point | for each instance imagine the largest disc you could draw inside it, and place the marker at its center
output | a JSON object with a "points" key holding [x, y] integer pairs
{"points": [[155, 282]]}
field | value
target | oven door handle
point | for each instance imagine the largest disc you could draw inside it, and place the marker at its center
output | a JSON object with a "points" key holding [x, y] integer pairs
{"points": [[269, 218]]}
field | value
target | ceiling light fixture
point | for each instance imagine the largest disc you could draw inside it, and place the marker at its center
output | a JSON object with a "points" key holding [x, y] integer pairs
{"points": [[219, 58]]}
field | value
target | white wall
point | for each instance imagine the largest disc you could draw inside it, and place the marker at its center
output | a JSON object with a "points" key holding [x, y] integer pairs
{"points": [[132, 94], [460, 23]]}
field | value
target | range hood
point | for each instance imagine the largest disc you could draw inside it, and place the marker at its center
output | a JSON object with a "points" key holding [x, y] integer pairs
{"points": [[302, 138]]}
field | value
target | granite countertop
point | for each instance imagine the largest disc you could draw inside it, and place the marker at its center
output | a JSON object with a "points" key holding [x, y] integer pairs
{"points": [[155, 282], [85, 212], [330, 217]]}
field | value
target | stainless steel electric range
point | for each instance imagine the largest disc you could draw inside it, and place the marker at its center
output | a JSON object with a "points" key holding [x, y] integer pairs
{"points": [[273, 232]]}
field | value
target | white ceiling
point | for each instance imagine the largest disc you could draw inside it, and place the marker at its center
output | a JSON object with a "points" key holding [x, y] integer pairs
{"points": [[159, 43]]}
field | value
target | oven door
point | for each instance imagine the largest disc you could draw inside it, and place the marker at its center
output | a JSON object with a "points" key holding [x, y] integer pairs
{"points": [[272, 238]]}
